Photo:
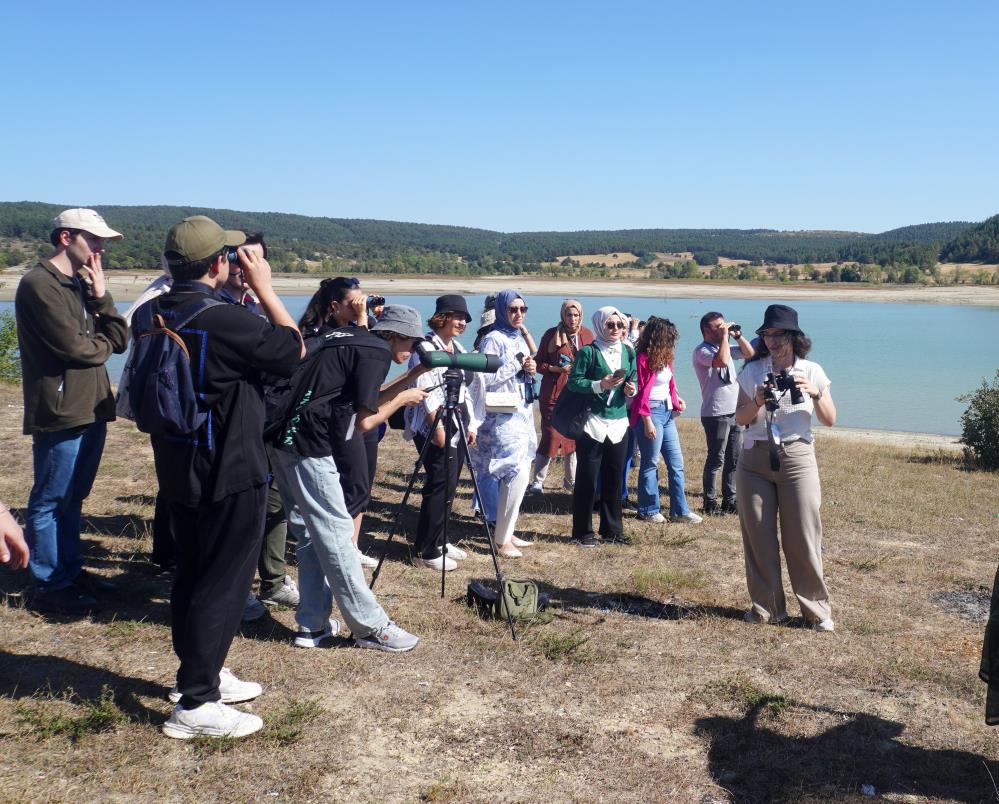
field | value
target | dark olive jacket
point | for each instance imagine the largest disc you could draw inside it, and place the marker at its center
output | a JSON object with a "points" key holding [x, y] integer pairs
{"points": [[65, 338]]}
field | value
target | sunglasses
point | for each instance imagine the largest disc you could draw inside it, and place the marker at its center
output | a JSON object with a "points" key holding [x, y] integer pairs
{"points": [[515, 310], [614, 325]]}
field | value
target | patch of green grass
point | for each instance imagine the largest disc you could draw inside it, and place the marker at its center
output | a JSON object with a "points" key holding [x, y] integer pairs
{"points": [[446, 790], [747, 695], [287, 729], [125, 628], [99, 715], [873, 562], [667, 581], [680, 540], [556, 647], [207, 746]]}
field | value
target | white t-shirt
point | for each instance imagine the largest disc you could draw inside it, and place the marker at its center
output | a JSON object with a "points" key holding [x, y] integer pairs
{"points": [[791, 422], [660, 387]]}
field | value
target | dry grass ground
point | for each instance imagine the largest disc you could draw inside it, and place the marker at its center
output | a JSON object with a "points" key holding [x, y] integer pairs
{"points": [[644, 684]]}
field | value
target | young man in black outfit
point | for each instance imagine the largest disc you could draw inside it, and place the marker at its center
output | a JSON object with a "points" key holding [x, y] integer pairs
{"points": [[216, 479]]}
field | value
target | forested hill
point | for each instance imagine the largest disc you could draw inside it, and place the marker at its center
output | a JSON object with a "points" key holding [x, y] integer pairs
{"points": [[375, 245], [975, 244]]}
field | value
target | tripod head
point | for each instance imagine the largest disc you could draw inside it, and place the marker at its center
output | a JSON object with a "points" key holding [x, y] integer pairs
{"points": [[453, 379]]}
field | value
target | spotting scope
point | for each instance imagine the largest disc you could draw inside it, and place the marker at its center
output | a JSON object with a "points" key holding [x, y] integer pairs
{"points": [[470, 361]]}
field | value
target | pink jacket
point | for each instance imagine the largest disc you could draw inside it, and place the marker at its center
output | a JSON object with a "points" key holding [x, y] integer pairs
{"points": [[646, 378]]}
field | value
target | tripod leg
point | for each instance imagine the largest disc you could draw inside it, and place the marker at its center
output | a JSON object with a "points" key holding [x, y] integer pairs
{"points": [[463, 453], [449, 418], [402, 505]]}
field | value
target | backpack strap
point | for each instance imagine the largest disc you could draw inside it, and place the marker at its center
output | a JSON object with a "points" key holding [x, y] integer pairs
{"points": [[155, 323]]}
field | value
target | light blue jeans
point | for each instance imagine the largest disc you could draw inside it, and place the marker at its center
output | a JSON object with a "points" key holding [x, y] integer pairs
{"points": [[65, 464], [328, 564], [667, 443]]}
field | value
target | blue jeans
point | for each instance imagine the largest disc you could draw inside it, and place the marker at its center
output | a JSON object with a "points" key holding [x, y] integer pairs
{"points": [[666, 442], [328, 563], [65, 466]]}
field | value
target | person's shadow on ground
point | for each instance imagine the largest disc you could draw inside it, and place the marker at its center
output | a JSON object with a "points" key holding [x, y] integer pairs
{"points": [[24, 676], [755, 763]]}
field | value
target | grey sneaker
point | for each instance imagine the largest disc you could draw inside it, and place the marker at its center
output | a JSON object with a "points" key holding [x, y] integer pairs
{"points": [[690, 519], [253, 609], [313, 639], [232, 689], [535, 488], [390, 637], [285, 595], [210, 720]]}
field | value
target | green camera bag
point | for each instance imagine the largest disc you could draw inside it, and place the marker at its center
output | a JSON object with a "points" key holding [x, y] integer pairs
{"points": [[521, 597]]}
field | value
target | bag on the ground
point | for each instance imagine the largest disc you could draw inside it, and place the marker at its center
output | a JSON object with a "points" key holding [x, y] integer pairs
{"points": [[157, 390], [520, 597]]}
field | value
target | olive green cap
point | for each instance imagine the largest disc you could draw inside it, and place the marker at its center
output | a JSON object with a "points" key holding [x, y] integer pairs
{"points": [[198, 237]]}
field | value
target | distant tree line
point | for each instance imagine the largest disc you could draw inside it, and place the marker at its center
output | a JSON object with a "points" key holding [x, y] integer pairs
{"points": [[332, 245]]}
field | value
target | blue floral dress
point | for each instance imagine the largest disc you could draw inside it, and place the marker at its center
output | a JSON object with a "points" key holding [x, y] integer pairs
{"points": [[506, 442]]}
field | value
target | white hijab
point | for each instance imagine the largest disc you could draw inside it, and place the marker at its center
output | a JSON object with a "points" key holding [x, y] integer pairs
{"points": [[600, 318]]}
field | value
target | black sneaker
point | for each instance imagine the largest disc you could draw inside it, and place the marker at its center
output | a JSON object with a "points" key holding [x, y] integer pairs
{"points": [[589, 540], [729, 507], [711, 508], [69, 602], [89, 583]]}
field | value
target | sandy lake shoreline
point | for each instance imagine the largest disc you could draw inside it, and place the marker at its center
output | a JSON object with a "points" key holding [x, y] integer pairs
{"points": [[126, 286]]}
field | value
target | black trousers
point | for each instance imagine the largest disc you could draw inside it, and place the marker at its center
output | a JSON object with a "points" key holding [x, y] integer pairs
{"points": [[724, 441], [605, 461], [218, 545], [163, 549], [437, 502], [356, 460]]}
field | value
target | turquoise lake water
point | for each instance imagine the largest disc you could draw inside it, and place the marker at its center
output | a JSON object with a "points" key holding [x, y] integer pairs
{"points": [[892, 366]]}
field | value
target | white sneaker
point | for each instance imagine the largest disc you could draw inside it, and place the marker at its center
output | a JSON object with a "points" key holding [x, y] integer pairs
{"points": [[456, 553], [825, 626], [211, 720], [435, 563], [518, 542], [253, 609], [313, 639], [231, 689], [535, 488], [691, 518], [657, 518], [366, 561], [390, 637]]}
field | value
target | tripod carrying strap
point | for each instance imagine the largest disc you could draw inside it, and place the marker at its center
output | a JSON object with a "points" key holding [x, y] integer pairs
{"points": [[772, 443]]}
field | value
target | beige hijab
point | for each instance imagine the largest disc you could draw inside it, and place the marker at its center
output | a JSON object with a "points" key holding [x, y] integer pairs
{"points": [[562, 337]]}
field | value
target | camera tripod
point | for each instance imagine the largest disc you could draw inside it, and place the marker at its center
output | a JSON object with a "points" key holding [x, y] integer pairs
{"points": [[450, 412]]}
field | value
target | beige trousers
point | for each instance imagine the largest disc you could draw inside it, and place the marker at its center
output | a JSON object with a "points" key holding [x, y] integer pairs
{"points": [[793, 494]]}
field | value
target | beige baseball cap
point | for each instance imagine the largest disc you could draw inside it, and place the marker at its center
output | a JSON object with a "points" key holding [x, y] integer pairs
{"points": [[198, 237], [86, 220]]}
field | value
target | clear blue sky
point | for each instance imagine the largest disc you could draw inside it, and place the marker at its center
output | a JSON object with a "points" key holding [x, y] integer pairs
{"points": [[511, 115]]}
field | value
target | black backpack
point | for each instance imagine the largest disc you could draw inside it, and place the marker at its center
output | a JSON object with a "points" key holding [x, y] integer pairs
{"points": [[157, 389], [286, 398]]}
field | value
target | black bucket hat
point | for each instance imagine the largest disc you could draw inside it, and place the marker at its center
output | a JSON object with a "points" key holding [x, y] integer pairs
{"points": [[780, 316], [453, 303]]}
